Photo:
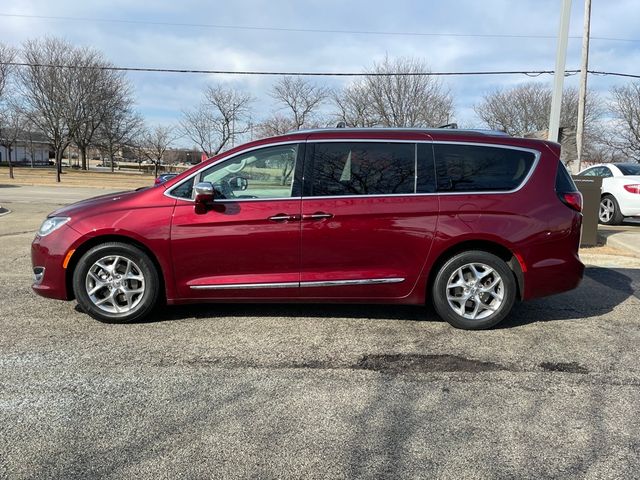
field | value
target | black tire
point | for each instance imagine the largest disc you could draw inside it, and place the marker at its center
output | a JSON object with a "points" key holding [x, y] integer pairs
{"points": [[616, 217], [459, 265], [146, 279]]}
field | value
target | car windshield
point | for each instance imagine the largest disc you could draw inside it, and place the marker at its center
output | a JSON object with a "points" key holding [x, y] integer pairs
{"points": [[629, 168]]}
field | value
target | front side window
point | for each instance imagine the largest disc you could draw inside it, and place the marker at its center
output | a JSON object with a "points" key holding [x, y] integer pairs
{"points": [[477, 168], [262, 173], [363, 168]]}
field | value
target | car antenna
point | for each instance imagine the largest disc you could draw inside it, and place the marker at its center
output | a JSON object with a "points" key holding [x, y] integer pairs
{"points": [[449, 125]]}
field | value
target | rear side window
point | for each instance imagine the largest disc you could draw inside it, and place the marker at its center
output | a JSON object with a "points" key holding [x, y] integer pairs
{"points": [[629, 168], [363, 168], [476, 168], [564, 182]]}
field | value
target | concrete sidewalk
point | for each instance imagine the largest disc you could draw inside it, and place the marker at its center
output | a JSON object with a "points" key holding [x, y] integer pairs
{"points": [[623, 237]]}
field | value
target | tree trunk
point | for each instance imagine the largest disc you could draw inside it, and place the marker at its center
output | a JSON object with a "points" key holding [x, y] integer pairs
{"points": [[111, 158], [157, 165], [9, 150], [83, 157], [58, 164]]}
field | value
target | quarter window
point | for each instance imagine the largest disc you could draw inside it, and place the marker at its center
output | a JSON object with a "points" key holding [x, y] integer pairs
{"points": [[475, 168], [363, 168]]}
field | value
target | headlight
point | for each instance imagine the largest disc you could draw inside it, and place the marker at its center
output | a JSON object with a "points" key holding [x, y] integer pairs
{"points": [[51, 224]]}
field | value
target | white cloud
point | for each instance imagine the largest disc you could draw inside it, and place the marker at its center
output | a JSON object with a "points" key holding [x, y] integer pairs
{"points": [[162, 96]]}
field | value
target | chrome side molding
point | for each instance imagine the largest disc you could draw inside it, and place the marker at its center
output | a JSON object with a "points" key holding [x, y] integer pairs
{"points": [[325, 283]]}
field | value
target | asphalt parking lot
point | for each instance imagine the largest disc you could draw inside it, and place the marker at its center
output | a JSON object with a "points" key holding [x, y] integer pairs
{"points": [[290, 391]]}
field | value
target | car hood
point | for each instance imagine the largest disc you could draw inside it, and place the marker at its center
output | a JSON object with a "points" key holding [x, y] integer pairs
{"points": [[108, 200]]}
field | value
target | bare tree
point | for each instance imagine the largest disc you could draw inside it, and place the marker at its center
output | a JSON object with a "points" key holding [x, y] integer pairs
{"points": [[355, 106], [525, 108], [218, 120], [155, 142], [50, 92], [276, 124], [625, 106], [101, 93], [7, 56], [397, 93], [118, 129], [12, 125], [301, 99]]}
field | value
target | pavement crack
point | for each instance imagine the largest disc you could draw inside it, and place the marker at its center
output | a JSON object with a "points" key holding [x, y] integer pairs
{"points": [[16, 233]]}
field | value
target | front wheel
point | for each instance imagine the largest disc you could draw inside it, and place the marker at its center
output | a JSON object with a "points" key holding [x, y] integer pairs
{"points": [[474, 290], [116, 283]]}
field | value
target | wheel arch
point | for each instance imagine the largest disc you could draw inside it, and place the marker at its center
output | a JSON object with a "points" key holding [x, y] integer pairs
{"points": [[91, 242], [495, 248]]}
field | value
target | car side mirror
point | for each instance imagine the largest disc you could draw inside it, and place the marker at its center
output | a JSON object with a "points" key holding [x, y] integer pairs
{"points": [[238, 183], [204, 197]]}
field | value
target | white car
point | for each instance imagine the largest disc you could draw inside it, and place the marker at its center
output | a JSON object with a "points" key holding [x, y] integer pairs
{"points": [[620, 191]]}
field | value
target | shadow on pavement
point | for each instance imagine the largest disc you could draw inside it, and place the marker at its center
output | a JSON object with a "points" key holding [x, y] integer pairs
{"points": [[601, 291]]}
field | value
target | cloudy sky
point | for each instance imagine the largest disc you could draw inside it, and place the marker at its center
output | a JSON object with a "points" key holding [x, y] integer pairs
{"points": [[456, 35]]}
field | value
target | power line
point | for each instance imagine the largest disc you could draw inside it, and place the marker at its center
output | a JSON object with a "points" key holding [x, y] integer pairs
{"points": [[300, 30], [531, 73], [291, 73]]}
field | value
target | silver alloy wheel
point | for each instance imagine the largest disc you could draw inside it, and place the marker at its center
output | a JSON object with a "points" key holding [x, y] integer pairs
{"points": [[115, 284], [607, 209], [475, 291]]}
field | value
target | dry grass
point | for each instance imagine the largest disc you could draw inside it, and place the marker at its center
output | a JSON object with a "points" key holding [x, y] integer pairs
{"points": [[605, 250], [76, 178]]}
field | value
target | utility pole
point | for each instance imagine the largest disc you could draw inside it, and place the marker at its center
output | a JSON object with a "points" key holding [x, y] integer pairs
{"points": [[558, 77], [583, 80]]}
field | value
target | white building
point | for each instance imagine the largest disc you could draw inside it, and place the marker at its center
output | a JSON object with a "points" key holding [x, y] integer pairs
{"points": [[31, 149]]}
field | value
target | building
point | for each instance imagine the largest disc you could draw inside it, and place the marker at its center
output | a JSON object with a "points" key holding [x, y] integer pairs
{"points": [[30, 149]]}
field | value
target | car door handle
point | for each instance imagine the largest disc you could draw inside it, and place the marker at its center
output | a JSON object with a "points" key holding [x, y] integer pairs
{"points": [[283, 217], [317, 216]]}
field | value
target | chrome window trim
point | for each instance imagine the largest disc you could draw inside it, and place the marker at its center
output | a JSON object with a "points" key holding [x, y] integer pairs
{"points": [[167, 192], [323, 283], [536, 160]]}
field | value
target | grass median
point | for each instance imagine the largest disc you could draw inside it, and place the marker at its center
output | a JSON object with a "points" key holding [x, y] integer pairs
{"points": [[76, 178]]}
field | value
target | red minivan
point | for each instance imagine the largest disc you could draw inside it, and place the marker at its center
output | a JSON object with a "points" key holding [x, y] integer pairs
{"points": [[470, 220]]}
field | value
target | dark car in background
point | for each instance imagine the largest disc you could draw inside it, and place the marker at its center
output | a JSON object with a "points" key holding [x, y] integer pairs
{"points": [[160, 179], [471, 221]]}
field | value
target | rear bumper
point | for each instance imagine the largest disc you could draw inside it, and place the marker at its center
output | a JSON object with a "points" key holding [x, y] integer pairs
{"points": [[553, 275]]}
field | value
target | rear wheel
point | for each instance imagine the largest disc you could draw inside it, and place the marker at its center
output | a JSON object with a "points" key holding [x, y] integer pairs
{"points": [[474, 290], [116, 283], [609, 213]]}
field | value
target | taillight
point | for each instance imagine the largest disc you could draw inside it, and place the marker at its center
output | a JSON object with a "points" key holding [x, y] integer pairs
{"points": [[572, 200], [566, 189], [634, 188]]}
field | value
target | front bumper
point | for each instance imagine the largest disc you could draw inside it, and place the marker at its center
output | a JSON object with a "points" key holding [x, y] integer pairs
{"points": [[47, 257]]}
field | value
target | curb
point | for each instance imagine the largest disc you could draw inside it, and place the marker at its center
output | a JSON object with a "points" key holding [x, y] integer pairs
{"points": [[627, 241]]}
